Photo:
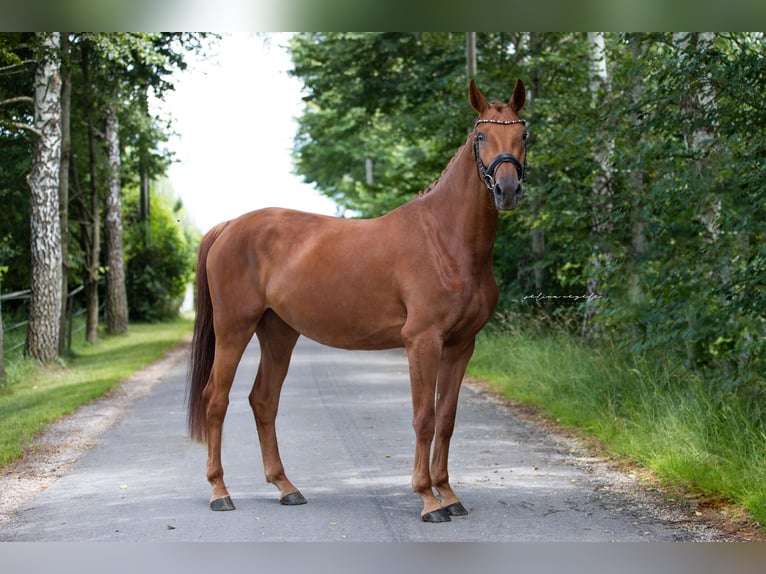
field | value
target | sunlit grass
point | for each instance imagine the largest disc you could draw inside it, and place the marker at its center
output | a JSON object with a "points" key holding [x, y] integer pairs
{"points": [[38, 394], [648, 410]]}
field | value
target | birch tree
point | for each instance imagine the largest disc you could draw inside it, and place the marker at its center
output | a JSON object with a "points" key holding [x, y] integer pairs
{"points": [[45, 301], [601, 192], [116, 297]]}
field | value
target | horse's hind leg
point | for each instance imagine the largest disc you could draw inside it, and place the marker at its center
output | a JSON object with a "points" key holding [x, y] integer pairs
{"points": [[277, 340], [228, 352]]}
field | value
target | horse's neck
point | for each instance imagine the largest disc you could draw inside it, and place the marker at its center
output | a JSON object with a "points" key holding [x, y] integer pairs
{"points": [[463, 208]]}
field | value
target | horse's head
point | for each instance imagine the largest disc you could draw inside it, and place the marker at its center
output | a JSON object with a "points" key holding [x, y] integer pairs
{"points": [[499, 145]]}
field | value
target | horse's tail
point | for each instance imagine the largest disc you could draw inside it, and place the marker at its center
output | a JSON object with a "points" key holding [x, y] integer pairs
{"points": [[203, 341]]}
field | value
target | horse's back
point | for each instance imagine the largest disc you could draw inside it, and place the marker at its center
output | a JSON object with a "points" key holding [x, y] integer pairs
{"points": [[333, 280]]}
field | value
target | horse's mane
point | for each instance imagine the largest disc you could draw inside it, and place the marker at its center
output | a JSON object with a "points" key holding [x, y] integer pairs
{"points": [[430, 188]]}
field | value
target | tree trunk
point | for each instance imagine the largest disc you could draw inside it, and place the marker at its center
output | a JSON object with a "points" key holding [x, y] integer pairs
{"points": [[696, 99], [470, 54], [636, 183], [94, 256], [538, 232], [116, 297], [3, 380], [66, 152], [43, 179], [601, 191]]}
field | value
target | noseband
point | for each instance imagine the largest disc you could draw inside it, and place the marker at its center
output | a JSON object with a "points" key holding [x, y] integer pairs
{"points": [[488, 172]]}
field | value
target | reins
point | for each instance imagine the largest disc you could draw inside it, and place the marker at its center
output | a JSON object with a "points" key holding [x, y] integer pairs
{"points": [[488, 172]]}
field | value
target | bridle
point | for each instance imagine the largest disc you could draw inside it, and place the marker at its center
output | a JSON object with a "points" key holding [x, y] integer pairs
{"points": [[488, 172]]}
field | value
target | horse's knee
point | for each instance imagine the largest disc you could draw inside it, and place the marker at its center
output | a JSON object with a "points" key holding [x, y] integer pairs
{"points": [[263, 410]]}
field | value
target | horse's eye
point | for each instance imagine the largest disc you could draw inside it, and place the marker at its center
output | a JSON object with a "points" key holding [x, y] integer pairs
{"points": [[524, 135], [480, 137]]}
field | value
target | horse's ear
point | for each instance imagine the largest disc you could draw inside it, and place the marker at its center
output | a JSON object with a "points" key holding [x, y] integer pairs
{"points": [[519, 97], [478, 101]]}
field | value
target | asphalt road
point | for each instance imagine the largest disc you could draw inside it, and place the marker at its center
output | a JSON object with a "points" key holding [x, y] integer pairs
{"points": [[347, 442]]}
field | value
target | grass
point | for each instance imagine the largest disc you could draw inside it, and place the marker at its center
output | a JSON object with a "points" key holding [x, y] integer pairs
{"points": [[36, 394], [650, 411]]}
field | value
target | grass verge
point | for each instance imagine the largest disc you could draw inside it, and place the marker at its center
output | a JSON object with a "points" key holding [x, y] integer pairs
{"points": [[39, 394], [650, 411]]}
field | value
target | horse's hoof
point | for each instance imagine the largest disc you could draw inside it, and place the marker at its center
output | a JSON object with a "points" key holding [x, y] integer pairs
{"points": [[456, 509], [292, 499], [438, 515], [224, 503]]}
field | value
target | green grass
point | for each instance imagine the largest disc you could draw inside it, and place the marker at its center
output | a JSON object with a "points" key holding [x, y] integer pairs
{"points": [[39, 394], [648, 410]]}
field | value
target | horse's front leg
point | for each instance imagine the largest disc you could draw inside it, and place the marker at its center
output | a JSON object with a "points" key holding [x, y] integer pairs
{"points": [[423, 352], [454, 361]]}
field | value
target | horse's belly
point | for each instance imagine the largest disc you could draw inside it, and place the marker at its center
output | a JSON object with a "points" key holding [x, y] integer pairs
{"points": [[343, 324]]}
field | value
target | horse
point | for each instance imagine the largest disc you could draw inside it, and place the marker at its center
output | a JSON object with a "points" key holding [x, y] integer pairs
{"points": [[419, 277]]}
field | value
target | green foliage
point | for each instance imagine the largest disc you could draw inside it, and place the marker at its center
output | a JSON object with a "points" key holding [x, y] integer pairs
{"points": [[123, 70], [679, 244], [389, 98], [159, 257], [16, 75]]}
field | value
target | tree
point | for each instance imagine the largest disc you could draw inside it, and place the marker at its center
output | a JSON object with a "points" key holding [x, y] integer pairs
{"points": [[661, 175], [45, 301], [66, 154], [603, 202], [116, 296], [102, 77]]}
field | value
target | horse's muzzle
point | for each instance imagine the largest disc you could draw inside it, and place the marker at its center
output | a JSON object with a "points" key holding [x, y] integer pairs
{"points": [[507, 193]]}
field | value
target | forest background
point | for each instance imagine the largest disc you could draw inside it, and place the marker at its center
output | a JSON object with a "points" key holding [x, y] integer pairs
{"points": [[641, 231], [633, 274]]}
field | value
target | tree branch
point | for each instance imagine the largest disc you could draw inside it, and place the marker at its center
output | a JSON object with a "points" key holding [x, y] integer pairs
{"points": [[16, 100], [19, 65], [28, 128]]}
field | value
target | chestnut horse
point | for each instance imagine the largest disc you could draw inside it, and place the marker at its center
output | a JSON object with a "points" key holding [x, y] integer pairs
{"points": [[419, 277]]}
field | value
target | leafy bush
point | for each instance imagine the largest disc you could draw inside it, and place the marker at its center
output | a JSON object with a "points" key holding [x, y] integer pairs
{"points": [[159, 258]]}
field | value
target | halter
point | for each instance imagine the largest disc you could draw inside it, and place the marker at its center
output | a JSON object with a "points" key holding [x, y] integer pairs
{"points": [[488, 172]]}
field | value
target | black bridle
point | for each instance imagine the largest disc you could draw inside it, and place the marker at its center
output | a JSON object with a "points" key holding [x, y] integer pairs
{"points": [[488, 172]]}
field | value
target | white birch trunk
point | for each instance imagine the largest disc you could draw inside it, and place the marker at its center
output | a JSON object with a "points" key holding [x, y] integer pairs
{"points": [[694, 104], [116, 297], [602, 194], [695, 101], [45, 301]]}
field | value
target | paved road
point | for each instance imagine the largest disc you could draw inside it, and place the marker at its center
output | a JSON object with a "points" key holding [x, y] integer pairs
{"points": [[347, 442]]}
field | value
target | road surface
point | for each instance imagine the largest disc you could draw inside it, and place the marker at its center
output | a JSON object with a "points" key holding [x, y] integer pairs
{"points": [[347, 442]]}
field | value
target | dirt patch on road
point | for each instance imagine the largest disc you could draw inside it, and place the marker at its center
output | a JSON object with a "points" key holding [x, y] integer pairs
{"points": [[57, 448]]}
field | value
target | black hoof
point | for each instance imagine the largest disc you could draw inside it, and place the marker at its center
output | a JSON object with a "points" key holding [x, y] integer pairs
{"points": [[438, 515], [292, 499], [224, 503], [456, 509]]}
